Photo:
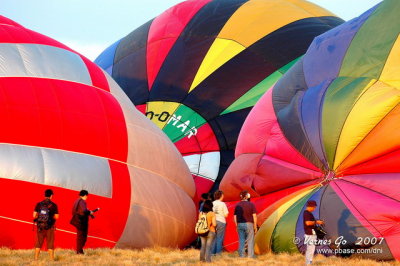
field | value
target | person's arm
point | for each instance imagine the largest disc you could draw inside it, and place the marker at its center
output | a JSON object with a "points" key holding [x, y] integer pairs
{"points": [[235, 215], [255, 222], [35, 211], [309, 223], [226, 212], [56, 215], [82, 209], [214, 220], [254, 218]]}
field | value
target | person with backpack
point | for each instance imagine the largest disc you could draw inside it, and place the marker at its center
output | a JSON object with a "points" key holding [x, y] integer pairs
{"points": [[221, 212], [45, 215], [205, 228], [80, 219], [245, 218]]}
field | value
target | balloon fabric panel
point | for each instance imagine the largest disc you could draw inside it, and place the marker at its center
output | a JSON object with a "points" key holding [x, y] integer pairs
{"points": [[209, 69], [337, 107]]}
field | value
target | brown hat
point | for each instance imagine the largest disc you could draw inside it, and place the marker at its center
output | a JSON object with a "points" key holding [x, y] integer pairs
{"points": [[311, 203]]}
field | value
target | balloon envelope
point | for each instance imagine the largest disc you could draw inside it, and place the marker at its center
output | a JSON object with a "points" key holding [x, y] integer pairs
{"points": [[198, 68], [67, 125], [328, 131]]}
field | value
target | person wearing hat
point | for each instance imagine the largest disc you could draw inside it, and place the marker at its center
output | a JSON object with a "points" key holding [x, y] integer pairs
{"points": [[309, 230]]}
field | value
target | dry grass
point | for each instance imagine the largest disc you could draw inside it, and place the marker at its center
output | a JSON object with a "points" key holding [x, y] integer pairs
{"points": [[165, 256]]}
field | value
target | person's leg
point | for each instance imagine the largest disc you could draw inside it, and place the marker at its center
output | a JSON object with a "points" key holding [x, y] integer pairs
{"points": [[50, 242], [241, 229], [214, 247], [220, 237], [214, 244], [203, 248], [250, 240], [209, 243], [39, 243], [310, 242], [79, 241], [84, 238]]}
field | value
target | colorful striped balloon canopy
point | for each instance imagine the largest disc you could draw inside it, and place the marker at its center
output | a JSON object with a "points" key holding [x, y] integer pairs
{"points": [[329, 130], [197, 69]]}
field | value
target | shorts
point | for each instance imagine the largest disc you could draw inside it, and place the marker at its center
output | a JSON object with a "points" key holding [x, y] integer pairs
{"points": [[45, 234]]}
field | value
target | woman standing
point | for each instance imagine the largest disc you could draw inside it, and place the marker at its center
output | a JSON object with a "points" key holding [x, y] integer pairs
{"points": [[207, 241]]}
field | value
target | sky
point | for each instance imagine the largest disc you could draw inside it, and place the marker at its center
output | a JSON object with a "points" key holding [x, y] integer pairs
{"points": [[90, 26]]}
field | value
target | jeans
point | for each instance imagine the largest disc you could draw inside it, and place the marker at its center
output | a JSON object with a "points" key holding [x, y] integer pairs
{"points": [[246, 235], [219, 238], [206, 245], [310, 242]]}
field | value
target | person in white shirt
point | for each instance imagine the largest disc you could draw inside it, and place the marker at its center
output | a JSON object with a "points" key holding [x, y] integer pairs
{"points": [[221, 212]]}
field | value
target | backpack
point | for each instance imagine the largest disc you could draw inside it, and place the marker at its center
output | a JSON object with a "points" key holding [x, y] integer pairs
{"points": [[43, 220], [202, 226]]}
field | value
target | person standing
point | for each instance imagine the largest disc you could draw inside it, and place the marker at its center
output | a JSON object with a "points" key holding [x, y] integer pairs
{"points": [[204, 197], [221, 212], [80, 219], [245, 218], [208, 239], [45, 215], [310, 236]]}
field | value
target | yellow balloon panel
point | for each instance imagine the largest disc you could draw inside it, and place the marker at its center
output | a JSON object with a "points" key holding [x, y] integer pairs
{"points": [[367, 112], [263, 237], [250, 23], [158, 112], [391, 71], [220, 52]]}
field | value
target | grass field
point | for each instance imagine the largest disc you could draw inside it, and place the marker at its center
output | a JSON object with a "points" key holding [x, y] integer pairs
{"points": [[165, 256]]}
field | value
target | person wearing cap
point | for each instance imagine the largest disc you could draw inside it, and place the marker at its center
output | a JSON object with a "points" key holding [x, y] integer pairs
{"points": [[310, 236], [245, 218]]}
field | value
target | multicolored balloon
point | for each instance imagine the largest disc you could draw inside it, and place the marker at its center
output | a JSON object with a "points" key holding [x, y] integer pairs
{"points": [[198, 68], [67, 125], [329, 131]]}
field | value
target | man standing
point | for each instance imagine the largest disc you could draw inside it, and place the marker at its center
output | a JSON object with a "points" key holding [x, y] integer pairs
{"points": [[221, 212], [310, 236], [45, 215], [245, 218], [80, 219]]}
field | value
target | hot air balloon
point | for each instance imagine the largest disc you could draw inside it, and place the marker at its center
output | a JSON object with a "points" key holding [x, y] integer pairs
{"points": [[329, 131], [66, 125], [197, 69]]}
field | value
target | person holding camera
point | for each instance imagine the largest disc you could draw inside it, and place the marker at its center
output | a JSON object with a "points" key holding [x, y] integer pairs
{"points": [[45, 215], [245, 218], [310, 226], [80, 219]]}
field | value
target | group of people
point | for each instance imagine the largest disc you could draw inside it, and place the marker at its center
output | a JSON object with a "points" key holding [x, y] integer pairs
{"points": [[46, 214], [245, 218]]}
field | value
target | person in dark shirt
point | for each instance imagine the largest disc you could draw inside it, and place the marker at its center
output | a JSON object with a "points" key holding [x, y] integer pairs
{"points": [[245, 218], [310, 236], [81, 213], [45, 215], [204, 197]]}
